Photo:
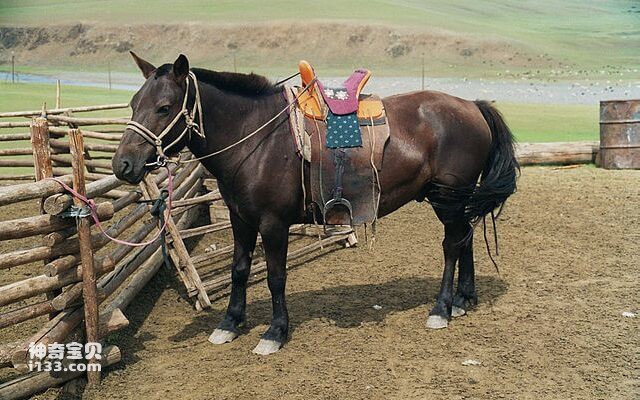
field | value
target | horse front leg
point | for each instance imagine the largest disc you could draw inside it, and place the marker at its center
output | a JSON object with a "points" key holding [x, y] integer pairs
{"points": [[244, 242], [275, 240]]}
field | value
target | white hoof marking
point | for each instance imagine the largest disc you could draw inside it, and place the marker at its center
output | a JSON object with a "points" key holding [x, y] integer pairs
{"points": [[266, 347], [436, 322], [457, 311], [220, 336]]}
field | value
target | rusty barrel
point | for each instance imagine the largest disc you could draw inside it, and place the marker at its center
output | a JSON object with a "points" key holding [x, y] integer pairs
{"points": [[620, 134]]}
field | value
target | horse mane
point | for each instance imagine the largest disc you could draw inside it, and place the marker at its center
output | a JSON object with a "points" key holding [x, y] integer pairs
{"points": [[251, 85]]}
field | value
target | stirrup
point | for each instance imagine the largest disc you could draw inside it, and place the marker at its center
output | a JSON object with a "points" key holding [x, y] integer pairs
{"points": [[329, 205]]}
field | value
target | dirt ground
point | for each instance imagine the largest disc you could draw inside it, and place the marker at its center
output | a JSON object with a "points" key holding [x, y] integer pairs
{"points": [[548, 326]]}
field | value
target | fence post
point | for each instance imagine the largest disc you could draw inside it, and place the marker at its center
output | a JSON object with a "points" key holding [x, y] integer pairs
{"points": [[89, 290], [40, 143], [13, 68], [58, 104], [179, 253], [422, 71], [43, 169]]}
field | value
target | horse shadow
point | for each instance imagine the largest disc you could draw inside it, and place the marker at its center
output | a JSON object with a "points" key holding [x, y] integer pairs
{"points": [[346, 306]]}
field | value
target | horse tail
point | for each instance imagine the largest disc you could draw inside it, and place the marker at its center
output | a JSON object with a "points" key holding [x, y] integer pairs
{"points": [[498, 178]]}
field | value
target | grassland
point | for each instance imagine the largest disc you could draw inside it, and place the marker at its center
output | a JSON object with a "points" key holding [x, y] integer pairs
{"points": [[585, 34], [529, 122], [23, 97], [552, 122], [28, 96]]}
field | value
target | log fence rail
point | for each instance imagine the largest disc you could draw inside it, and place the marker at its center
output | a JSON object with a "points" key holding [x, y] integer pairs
{"points": [[62, 275]]}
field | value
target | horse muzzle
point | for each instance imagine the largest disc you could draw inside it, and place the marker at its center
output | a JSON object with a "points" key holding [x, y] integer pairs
{"points": [[129, 166]]}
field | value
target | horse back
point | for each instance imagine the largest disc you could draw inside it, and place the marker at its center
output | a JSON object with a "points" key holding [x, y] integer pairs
{"points": [[450, 133]]}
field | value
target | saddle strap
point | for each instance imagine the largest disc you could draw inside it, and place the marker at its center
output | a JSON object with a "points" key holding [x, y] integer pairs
{"points": [[297, 126]]}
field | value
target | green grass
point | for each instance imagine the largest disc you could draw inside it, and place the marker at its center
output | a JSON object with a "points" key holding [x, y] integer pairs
{"points": [[25, 97], [586, 33], [28, 96], [551, 122]]}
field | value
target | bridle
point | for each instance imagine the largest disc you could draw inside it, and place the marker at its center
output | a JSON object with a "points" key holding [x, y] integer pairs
{"points": [[189, 119], [156, 140]]}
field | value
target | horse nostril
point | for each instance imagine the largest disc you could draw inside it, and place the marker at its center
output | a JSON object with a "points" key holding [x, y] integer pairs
{"points": [[127, 167]]}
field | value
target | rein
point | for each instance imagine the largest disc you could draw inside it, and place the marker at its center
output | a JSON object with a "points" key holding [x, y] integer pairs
{"points": [[189, 116], [159, 207]]}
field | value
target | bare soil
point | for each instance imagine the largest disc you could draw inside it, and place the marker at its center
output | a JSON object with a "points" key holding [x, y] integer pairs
{"points": [[548, 326], [266, 47]]}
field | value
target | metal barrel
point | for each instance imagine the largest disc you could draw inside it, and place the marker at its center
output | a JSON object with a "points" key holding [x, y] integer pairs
{"points": [[620, 134]]}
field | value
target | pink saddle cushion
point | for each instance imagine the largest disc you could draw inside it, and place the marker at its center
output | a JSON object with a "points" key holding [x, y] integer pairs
{"points": [[344, 100]]}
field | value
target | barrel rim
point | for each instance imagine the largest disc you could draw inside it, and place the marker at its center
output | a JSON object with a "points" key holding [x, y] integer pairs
{"points": [[618, 101]]}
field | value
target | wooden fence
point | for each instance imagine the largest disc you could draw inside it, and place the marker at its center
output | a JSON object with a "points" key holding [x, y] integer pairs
{"points": [[63, 281]]}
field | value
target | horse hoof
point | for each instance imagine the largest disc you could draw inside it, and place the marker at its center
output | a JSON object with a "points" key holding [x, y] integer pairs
{"points": [[266, 347], [220, 336], [457, 311], [436, 322]]}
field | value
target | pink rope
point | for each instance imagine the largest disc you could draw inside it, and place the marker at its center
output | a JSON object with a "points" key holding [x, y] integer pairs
{"points": [[93, 208]]}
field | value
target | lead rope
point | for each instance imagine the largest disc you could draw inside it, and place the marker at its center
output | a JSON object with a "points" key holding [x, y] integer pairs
{"points": [[161, 204], [281, 81]]}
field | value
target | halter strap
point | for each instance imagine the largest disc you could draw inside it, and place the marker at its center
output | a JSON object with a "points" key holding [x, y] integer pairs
{"points": [[189, 118]]}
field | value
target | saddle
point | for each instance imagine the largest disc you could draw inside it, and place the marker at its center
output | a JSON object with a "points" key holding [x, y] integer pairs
{"points": [[342, 133], [312, 103]]}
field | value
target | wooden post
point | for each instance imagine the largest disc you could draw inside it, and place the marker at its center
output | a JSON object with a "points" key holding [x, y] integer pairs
{"points": [[90, 291], [422, 71], [235, 68], [41, 152], [109, 78], [57, 93], [179, 253], [43, 169]]}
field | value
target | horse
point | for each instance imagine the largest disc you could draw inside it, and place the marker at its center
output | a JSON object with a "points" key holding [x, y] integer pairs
{"points": [[456, 154]]}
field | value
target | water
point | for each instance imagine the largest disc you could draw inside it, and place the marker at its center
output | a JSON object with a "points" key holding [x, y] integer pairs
{"points": [[66, 80]]}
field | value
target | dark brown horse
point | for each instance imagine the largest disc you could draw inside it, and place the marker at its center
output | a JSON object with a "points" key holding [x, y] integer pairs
{"points": [[457, 154]]}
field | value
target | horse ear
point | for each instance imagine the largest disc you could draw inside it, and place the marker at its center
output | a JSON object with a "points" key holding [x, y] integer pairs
{"points": [[145, 66], [181, 68]]}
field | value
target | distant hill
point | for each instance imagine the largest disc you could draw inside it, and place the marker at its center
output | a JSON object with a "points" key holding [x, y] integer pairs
{"points": [[499, 38]]}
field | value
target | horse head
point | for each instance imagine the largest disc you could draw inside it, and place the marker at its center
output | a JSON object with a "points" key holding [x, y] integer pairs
{"points": [[159, 120]]}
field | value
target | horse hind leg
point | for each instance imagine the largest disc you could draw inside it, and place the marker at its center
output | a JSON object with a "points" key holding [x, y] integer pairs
{"points": [[455, 235], [466, 296]]}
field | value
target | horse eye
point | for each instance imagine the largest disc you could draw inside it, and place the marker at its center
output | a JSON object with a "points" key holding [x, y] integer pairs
{"points": [[163, 110]]}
